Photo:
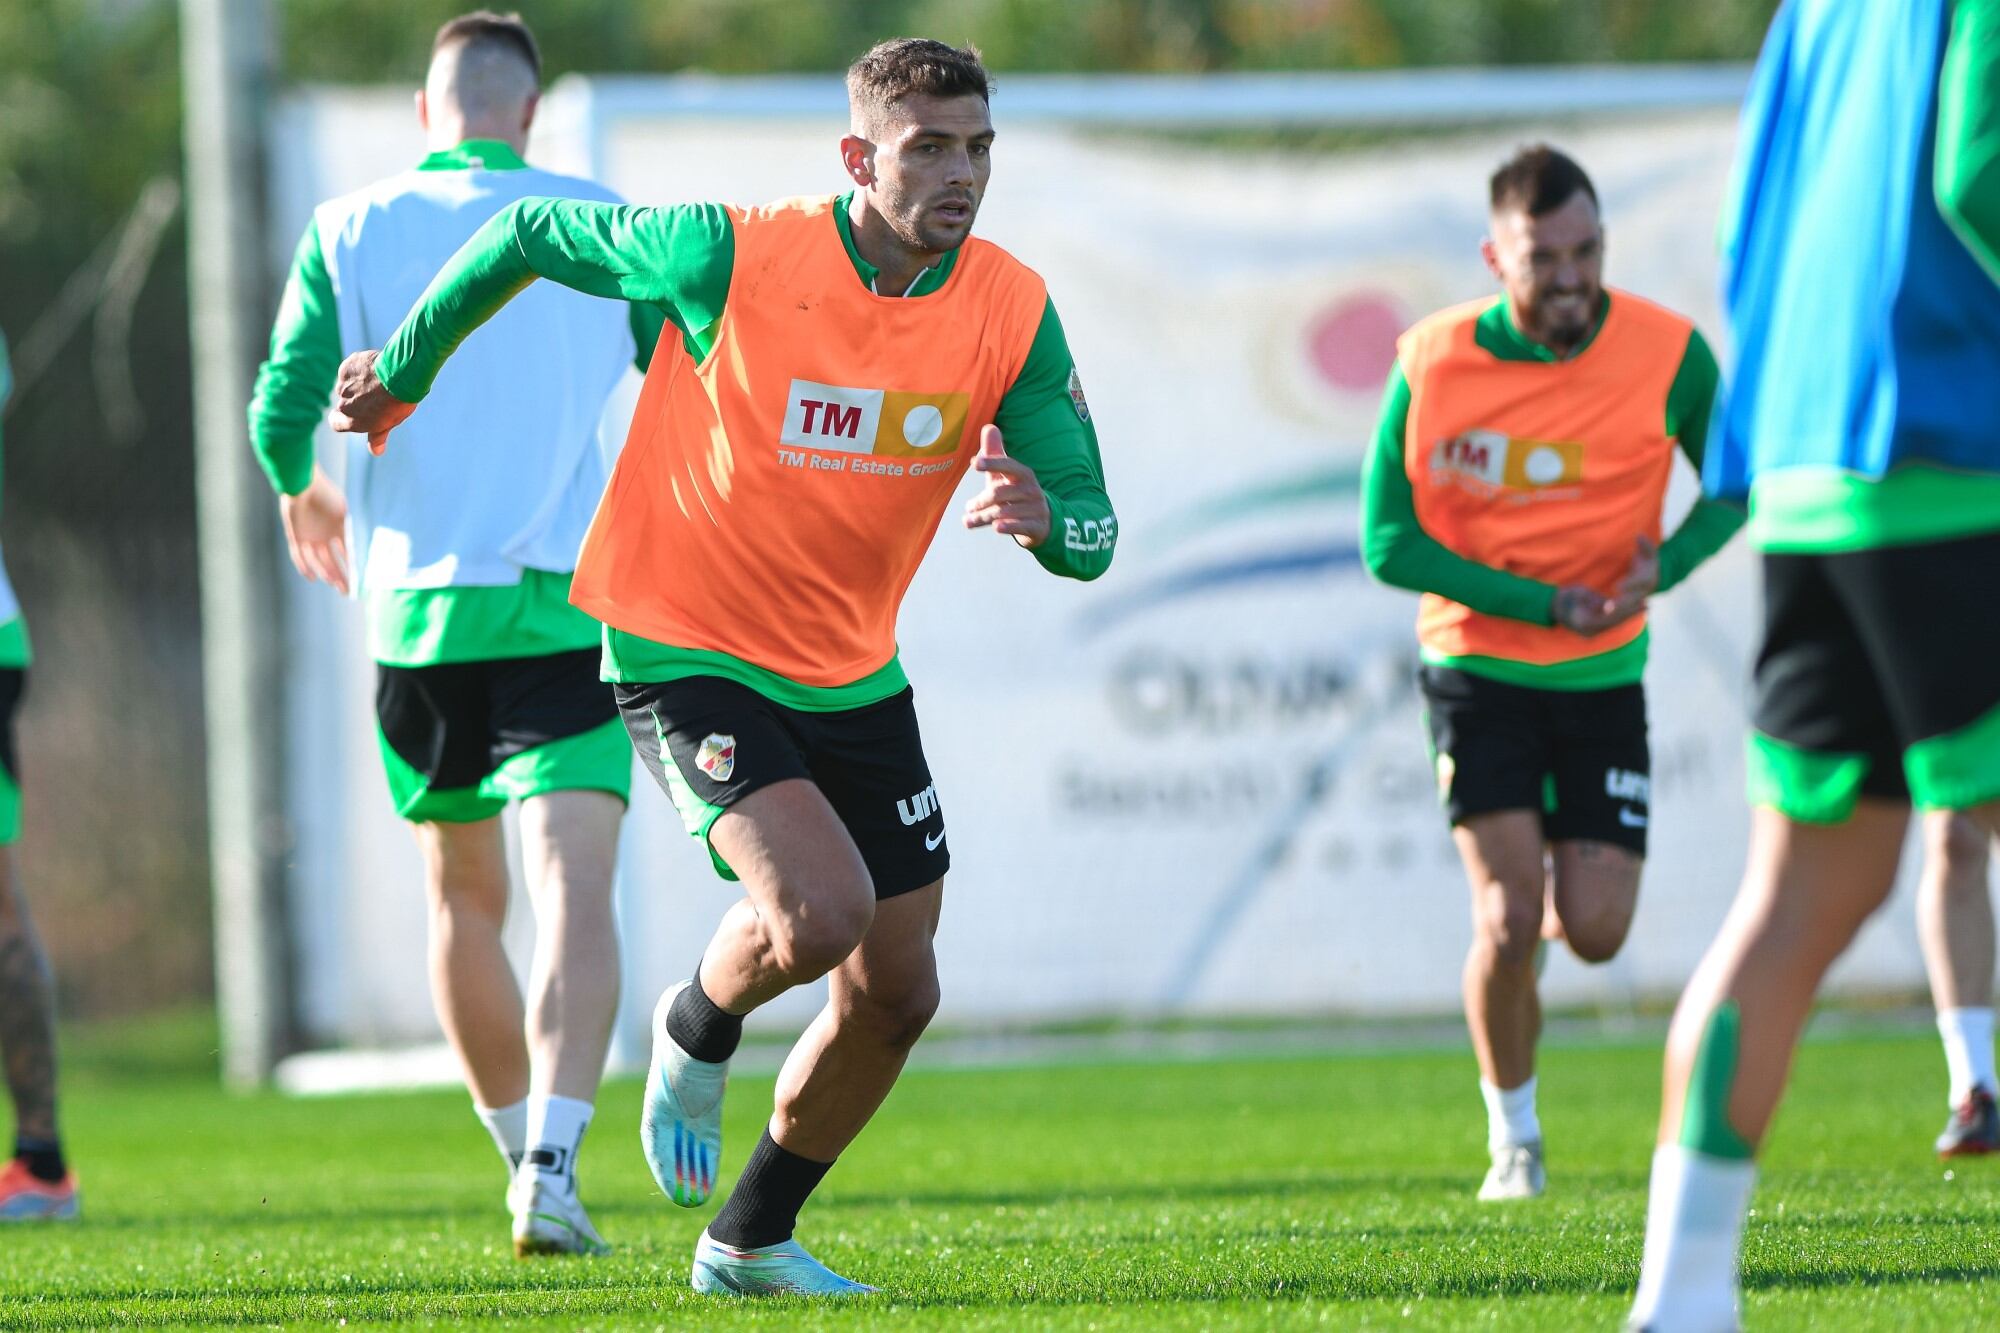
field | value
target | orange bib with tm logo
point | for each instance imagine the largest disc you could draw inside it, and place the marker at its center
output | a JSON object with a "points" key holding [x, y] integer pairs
{"points": [[1547, 469], [774, 501]]}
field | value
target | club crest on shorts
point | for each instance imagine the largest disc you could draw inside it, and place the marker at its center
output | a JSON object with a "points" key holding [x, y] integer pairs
{"points": [[717, 756]]}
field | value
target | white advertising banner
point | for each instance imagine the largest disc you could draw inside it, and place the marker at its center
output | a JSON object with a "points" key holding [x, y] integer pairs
{"points": [[1198, 785]]}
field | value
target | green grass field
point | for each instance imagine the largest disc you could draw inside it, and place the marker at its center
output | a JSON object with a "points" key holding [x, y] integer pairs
{"points": [[1330, 1191]]}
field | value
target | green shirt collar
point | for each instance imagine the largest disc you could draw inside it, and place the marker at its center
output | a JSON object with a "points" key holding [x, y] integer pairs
{"points": [[928, 281], [1498, 334], [475, 155]]}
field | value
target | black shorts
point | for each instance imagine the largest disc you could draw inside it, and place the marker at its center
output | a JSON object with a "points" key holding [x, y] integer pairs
{"points": [[1879, 675], [461, 739], [709, 742], [1578, 757]]}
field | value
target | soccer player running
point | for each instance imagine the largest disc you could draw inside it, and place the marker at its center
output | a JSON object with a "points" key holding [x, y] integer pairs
{"points": [[838, 363], [1955, 926], [37, 1185], [487, 683], [1516, 480], [1862, 283]]}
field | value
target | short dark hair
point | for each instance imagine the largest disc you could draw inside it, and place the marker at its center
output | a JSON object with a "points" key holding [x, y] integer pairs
{"points": [[484, 26], [915, 67], [1540, 180]]}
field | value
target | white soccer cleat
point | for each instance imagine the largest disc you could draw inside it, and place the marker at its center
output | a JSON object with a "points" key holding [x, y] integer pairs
{"points": [[1516, 1174], [784, 1269], [549, 1218], [681, 1127]]}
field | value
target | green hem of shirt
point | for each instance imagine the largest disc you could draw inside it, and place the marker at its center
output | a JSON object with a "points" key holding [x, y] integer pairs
{"points": [[1600, 671], [632, 660], [420, 627], [1800, 510], [15, 650]]}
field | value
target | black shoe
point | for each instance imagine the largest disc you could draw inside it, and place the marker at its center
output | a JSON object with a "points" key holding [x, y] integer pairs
{"points": [[1974, 1128]]}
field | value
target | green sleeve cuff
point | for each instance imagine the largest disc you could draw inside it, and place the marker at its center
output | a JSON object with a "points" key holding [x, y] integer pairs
{"points": [[1045, 423]]}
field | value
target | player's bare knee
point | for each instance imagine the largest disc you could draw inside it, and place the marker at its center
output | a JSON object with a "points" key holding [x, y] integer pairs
{"points": [[1510, 923], [1962, 845], [1595, 940], [810, 943], [897, 1016]]}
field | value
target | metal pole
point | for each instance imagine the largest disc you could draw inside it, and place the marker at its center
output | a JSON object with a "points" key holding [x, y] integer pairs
{"points": [[226, 70]]}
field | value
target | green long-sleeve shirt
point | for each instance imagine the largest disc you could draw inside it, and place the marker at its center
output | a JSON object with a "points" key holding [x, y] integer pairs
{"points": [[680, 260], [1398, 551]]}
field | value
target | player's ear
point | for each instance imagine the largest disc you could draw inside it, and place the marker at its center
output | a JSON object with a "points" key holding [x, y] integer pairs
{"points": [[423, 111], [857, 155], [534, 104], [1491, 254]]}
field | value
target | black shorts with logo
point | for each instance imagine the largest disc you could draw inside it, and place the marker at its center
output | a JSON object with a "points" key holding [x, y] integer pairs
{"points": [[1875, 675], [1579, 757], [709, 742]]}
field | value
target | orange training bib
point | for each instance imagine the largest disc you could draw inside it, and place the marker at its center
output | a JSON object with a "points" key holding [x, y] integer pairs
{"points": [[1548, 469], [774, 501]]}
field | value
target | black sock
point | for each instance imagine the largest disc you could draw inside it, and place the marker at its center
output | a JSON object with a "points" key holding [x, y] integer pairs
{"points": [[43, 1158], [700, 1028], [763, 1209]]}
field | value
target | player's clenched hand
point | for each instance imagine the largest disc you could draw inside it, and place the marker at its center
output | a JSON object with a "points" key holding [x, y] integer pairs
{"points": [[1013, 501], [316, 531], [1588, 612], [1582, 610], [362, 406], [1642, 580]]}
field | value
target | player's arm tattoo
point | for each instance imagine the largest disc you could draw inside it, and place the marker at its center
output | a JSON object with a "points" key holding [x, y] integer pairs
{"points": [[27, 1033]]}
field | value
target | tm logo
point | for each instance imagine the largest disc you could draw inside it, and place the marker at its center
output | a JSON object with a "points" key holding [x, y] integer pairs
{"points": [[835, 419]]}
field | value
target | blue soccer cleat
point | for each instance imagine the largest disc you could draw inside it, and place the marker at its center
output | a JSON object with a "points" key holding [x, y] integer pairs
{"points": [[681, 1127], [784, 1269]]}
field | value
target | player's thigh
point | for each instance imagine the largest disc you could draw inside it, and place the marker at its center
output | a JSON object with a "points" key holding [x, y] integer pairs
{"points": [[465, 863], [433, 724], [1812, 885], [1595, 889], [733, 763], [1822, 735], [1924, 615], [870, 763], [1503, 857], [1487, 745]]}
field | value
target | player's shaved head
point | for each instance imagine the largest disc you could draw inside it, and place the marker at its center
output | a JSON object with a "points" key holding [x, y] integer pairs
{"points": [[902, 68], [485, 66]]}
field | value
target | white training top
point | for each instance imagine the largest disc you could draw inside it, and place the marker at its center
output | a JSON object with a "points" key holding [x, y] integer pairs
{"points": [[501, 470]]}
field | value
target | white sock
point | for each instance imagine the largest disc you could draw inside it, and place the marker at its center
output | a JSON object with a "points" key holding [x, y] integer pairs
{"points": [[1511, 1121], [1968, 1050], [1694, 1236], [509, 1127], [555, 1134]]}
